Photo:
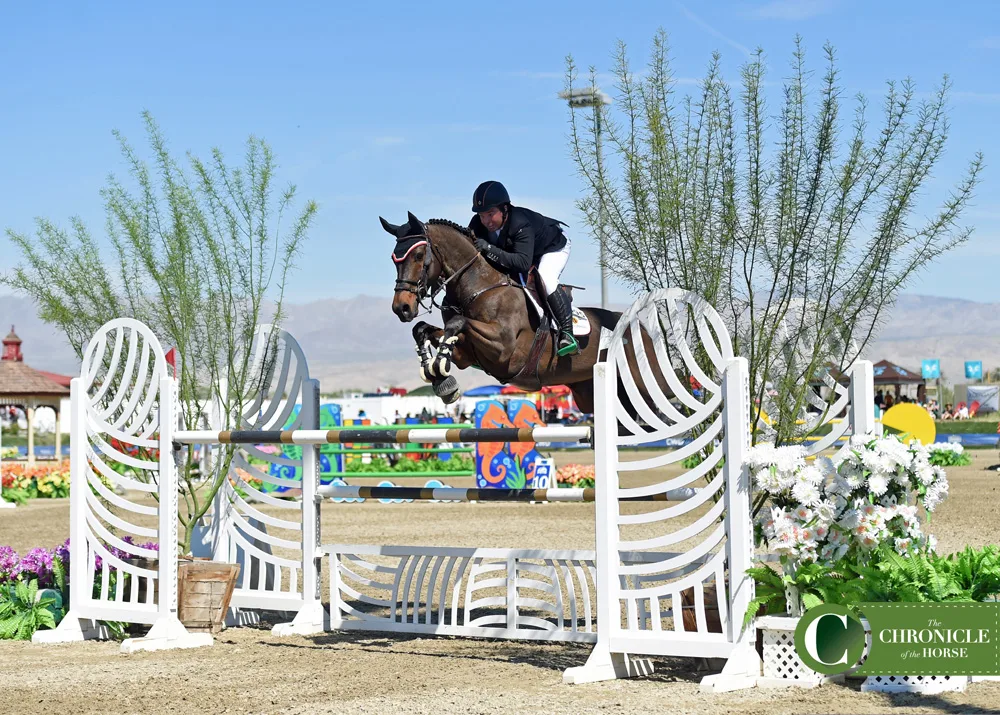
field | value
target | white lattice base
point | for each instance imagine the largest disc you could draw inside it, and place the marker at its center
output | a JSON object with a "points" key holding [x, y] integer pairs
{"points": [[926, 684], [782, 666]]}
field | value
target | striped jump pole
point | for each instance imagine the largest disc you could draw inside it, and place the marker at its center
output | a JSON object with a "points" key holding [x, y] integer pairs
{"points": [[484, 495], [386, 436]]}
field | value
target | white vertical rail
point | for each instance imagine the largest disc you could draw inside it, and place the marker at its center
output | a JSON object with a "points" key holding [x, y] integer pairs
{"points": [[862, 389], [739, 527]]}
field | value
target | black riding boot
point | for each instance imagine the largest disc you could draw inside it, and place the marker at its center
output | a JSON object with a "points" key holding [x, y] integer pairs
{"points": [[561, 309]]}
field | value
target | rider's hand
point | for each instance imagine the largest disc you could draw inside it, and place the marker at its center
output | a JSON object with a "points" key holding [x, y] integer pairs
{"points": [[482, 245]]}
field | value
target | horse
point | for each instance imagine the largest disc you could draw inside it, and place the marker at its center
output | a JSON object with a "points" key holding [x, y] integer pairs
{"points": [[488, 320]]}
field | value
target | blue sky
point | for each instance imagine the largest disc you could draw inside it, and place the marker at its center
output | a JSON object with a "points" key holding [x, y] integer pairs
{"points": [[380, 108]]}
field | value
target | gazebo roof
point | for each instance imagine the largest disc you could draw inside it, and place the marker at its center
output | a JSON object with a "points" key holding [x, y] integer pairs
{"points": [[16, 378], [889, 373]]}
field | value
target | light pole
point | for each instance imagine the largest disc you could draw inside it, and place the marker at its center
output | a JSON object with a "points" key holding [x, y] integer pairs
{"points": [[594, 97]]}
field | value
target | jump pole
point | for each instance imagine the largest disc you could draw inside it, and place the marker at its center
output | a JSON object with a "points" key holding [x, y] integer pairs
{"points": [[385, 436], [484, 495]]}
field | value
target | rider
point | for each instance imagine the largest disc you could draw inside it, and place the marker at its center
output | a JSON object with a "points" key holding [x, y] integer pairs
{"points": [[515, 239]]}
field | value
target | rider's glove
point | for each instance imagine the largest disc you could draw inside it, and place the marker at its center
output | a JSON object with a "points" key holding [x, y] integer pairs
{"points": [[483, 246]]}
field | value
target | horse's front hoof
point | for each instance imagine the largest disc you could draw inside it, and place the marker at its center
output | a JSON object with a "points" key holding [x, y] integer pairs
{"points": [[448, 389]]}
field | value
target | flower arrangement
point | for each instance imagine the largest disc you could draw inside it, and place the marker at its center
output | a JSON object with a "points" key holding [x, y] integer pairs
{"points": [[831, 513], [9, 452], [575, 475]]}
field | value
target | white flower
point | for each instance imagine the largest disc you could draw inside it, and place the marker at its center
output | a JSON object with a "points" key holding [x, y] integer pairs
{"points": [[826, 510], [854, 480], [926, 475], [810, 474], [833, 552], [825, 465], [877, 485], [806, 493], [850, 520], [802, 513], [874, 461], [766, 480]]}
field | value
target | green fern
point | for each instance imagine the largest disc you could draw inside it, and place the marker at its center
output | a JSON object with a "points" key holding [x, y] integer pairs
{"points": [[21, 614], [816, 584], [968, 576]]}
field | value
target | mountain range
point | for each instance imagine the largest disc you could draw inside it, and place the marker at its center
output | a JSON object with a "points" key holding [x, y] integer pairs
{"points": [[359, 343]]}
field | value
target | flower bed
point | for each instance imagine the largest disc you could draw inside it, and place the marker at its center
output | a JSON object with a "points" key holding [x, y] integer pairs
{"points": [[457, 463], [949, 454], [22, 482], [575, 475], [34, 588], [23, 610]]}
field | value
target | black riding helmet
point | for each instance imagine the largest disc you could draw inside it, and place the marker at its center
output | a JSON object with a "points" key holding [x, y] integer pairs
{"points": [[489, 195]]}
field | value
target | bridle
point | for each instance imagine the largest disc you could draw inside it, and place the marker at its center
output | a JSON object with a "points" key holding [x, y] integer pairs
{"points": [[422, 288]]}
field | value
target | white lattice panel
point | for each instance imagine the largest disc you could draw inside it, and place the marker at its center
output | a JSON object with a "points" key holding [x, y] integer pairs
{"points": [[926, 684]]}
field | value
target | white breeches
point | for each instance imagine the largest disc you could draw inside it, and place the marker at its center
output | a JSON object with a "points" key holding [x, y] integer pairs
{"points": [[550, 267]]}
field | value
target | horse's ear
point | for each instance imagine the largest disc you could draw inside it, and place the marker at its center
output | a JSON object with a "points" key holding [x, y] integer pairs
{"points": [[389, 228], [415, 223]]}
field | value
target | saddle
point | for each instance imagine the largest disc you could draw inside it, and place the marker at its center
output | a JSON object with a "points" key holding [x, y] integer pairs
{"points": [[547, 329]]}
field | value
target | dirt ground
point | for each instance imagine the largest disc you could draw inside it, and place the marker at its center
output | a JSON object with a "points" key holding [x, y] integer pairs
{"points": [[249, 671]]}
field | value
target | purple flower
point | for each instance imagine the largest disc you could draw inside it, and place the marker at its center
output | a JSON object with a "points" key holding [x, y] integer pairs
{"points": [[62, 553], [9, 563], [38, 561]]}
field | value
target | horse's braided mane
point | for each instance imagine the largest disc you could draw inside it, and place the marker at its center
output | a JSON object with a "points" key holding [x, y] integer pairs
{"points": [[464, 230]]}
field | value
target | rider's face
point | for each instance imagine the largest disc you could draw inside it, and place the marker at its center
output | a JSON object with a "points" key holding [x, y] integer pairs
{"points": [[492, 220]]}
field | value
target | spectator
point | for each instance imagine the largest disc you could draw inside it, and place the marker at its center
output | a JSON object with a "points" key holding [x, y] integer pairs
{"points": [[879, 400], [947, 414], [887, 403], [963, 413]]}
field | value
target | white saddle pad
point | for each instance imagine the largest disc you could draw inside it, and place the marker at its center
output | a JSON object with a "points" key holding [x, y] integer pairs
{"points": [[581, 323]]}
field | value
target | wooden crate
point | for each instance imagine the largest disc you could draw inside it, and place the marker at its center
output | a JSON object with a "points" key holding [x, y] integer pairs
{"points": [[204, 590]]}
